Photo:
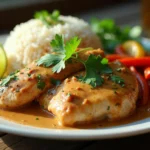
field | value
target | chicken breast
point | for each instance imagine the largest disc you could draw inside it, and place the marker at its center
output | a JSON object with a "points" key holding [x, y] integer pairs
{"points": [[74, 102], [30, 82]]}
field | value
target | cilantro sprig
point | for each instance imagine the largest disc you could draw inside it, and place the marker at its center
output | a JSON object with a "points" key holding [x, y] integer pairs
{"points": [[95, 66], [47, 18], [62, 52]]}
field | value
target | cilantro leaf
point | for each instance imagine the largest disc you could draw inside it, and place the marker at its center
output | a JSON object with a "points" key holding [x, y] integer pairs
{"points": [[58, 44], [47, 18], [50, 59], [117, 80], [59, 66], [12, 76], [71, 47], [94, 68], [62, 53]]}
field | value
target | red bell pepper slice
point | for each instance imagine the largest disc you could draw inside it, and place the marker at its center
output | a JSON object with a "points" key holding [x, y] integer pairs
{"points": [[141, 61], [144, 86], [113, 57]]}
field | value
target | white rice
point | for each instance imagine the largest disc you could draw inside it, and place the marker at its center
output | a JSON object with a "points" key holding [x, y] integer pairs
{"points": [[30, 40]]}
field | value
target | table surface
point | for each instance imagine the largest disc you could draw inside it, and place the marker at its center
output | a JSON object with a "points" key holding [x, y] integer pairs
{"points": [[13, 142]]}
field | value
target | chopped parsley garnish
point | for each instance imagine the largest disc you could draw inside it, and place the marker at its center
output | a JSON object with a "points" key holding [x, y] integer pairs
{"points": [[41, 83], [47, 18], [29, 75], [108, 108], [12, 76], [36, 118], [55, 82], [117, 80], [62, 53]]}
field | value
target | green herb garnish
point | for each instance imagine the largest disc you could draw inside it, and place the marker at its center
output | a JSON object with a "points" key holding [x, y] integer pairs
{"points": [[117, 80], [62, 53], [12, 76], [41, 83], [47, 18], [95, 66], [55, 82], [36, 118]]}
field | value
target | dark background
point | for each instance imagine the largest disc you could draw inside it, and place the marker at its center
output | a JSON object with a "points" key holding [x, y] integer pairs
{"points": [[12, 15]]}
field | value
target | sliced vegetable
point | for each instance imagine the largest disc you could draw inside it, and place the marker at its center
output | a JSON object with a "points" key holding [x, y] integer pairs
{"points": [[144, 85], [3, 61], [141, 61], [147, 73], [133, 48], [113, 57]]}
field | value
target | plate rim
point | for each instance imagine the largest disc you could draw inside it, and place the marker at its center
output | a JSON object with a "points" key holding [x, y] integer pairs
{"points": [[137, 128]]}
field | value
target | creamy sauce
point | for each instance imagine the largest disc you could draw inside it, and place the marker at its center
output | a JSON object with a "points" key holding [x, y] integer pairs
{"points": [[33, 115]]}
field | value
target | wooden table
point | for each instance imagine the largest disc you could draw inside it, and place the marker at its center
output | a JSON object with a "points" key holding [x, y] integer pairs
{"points": [[13, 142]]}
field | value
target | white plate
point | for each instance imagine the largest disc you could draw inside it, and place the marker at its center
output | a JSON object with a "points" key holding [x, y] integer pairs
{"points": [[136, 128]]}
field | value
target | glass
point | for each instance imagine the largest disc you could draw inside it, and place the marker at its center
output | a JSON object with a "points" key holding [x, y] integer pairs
{"points": [[146, 17]]}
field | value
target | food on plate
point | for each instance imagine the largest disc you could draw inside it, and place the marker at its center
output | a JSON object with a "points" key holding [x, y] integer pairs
{"points": [[30, 40], [133, 48], [74, 102], [77, 99], [63, 70], [26, 85]]}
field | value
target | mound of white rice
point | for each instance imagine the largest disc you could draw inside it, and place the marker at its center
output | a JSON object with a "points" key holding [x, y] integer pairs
{"points": [[30, 40]]}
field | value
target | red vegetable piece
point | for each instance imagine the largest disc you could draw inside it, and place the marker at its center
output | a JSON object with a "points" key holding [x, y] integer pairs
{"points": [[147, 73], [130, 61], [113, 57], [144, 85]]}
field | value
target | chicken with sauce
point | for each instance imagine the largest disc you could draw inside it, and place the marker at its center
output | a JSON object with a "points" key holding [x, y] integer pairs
{"points": [[30, 82], [74, 102], [103, 90]]}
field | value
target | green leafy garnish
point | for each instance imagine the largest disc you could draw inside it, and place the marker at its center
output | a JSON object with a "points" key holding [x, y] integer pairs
{"points": [[12, 76], [47, 18], [55, 82], [62, 53], [117, 80], [111, 34], [95, 66], [40, 83]]}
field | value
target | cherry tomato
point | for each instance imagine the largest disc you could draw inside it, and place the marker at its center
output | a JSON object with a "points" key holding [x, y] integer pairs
{"points": [[133, 48]]}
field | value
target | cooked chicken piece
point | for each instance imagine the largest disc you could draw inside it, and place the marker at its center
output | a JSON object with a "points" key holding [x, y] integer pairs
{"points": [[30, 81], [74, 102]]}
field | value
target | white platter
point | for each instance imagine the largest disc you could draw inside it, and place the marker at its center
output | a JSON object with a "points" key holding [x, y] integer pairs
{"points": [[136, 128]]}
